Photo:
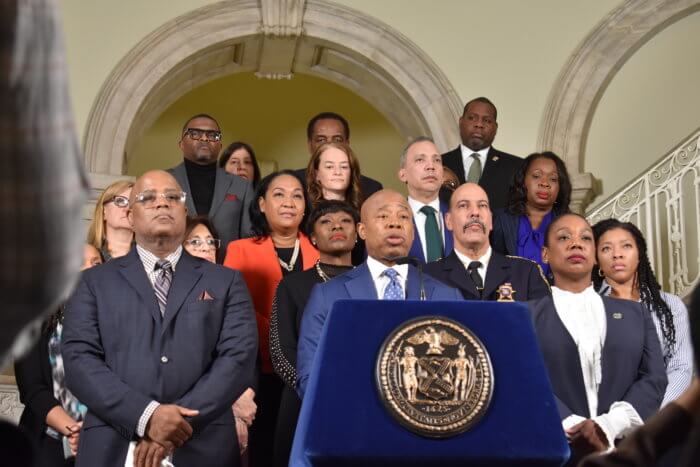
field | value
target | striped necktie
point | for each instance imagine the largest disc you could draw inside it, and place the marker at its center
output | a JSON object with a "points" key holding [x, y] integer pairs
{"points": [[164, 277]]}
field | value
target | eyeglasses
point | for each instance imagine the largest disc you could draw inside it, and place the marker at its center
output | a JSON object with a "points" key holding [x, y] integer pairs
{"points": [[197, 243], [149, 197], [119, 201], [197, 134]]}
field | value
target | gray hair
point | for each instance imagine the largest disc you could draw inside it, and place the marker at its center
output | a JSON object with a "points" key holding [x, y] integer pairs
{"points": [[417, 139]]}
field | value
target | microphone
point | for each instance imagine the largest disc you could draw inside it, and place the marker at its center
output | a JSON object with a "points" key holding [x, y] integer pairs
{"points": [[412, 260]]}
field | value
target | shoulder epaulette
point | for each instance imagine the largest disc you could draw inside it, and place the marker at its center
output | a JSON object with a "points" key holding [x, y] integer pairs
{"points": [[537, 265]]}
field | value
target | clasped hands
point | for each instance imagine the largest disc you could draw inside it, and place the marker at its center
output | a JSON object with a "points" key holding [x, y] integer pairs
{"points": [[587, 437], [167, 430]]}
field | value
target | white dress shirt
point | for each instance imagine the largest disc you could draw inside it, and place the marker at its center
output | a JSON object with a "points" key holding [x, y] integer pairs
{"points": [[467, 158], [583, 315], [419, 218], [484, 260], [380, 281]]}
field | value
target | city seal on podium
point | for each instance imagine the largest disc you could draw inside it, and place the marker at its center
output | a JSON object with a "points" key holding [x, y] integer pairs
{"points": [[434, 376]]}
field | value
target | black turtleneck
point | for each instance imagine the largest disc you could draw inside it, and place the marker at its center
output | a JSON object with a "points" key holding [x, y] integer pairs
{"points": [[202, 179]]}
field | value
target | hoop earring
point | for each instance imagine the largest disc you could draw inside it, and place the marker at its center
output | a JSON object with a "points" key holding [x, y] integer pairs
{"points": [[601, 274]]}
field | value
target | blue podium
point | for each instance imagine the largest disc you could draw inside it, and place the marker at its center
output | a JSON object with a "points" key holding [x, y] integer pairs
{"points": [[344, 423]]}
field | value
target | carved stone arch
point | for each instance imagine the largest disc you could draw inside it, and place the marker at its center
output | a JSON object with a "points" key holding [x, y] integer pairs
{"points": [[585, 77], [274, 39]]}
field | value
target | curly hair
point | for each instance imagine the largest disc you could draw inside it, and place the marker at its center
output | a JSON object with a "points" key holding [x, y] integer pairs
{"points": [[259, 225], [645, 280], [517, 194], [353, 194]]}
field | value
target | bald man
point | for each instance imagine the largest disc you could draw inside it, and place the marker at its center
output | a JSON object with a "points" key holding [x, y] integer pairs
{"points": [[158, 344], [386, 226], [479, 272]]}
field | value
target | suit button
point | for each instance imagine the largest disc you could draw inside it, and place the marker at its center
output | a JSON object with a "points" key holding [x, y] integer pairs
{"points": [[164, 359]]}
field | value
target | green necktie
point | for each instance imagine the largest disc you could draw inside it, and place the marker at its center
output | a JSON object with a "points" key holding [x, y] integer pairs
{"points": [[433, 239], [475, 169]]}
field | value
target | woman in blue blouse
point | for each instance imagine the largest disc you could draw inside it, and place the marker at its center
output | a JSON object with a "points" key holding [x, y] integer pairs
{"points": [[540, 191]]}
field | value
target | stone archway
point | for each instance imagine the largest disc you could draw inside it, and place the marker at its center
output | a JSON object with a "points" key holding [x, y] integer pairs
{"points": [[274, 39], [582, 82]]}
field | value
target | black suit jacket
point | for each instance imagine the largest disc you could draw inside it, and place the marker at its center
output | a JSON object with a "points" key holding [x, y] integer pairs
{"points": [[496, 177], [633, 368], [120, 353], [524, 275], [367, 185]]}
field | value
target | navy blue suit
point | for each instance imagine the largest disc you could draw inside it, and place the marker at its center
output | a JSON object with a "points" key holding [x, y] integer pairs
{"points": [[632, 364], [524, 275], [119, 354], [417, 249], [354, 284]]}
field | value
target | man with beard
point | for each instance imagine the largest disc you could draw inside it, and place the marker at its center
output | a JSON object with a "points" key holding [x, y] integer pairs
{"points": [[475, 160], [479, 272], [210, 190], [387, 228]]}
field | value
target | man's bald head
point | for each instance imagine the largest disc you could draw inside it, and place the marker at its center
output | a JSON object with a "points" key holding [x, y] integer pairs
{"points": [[157, 211], [386, 225]]}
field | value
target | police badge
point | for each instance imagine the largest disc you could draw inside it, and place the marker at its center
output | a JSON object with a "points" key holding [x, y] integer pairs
{"points": [[434, 376]]}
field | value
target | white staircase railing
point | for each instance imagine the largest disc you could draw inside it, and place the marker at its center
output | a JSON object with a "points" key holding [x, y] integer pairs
{"points": [[664, 202]]}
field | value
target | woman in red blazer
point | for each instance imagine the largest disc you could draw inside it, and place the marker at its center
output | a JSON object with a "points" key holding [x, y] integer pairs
{"points": [[278, 248]]}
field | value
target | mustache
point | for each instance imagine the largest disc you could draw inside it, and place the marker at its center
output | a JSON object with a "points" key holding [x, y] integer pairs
{"points": [[478, 222]]}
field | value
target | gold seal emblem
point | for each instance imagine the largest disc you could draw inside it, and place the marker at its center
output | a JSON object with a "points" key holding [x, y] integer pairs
{"points": [[434, 376]]}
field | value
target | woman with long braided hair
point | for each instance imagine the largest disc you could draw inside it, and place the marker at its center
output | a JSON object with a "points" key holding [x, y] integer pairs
{"points": [[624, 271]]}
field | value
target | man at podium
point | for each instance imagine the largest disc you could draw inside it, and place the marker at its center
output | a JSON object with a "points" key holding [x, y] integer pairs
{"points": [[386, 226]]}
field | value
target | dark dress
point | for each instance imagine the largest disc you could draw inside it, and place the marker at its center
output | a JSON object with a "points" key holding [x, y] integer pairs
{"points": [[292, 294], [269, 393], [35, 384]]}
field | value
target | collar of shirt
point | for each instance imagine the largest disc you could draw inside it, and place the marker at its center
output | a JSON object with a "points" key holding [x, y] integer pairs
{"points": [[419, 219], [467, 159], [149, 260], [484, 260], [380, 281]]}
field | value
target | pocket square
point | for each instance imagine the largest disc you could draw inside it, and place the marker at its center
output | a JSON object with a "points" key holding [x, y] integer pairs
{"points": [[231, 197], [205, 296]]}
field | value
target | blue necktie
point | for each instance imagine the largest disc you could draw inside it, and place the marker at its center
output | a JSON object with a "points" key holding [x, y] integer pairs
{"points": [[394, 290]]}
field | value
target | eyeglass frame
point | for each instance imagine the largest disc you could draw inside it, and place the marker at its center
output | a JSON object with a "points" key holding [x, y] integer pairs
{"points": [[216, 243], [212, 135], [149, 204], [114, 200]]}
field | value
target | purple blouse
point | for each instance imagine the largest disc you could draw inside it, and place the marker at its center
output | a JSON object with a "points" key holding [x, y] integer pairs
{"points": [[530, 242]]}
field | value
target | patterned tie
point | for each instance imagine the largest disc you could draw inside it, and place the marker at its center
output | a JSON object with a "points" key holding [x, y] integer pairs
{"points": [[433, 239], [162, 283], [475, 169], [393, 290], [476, 277]]}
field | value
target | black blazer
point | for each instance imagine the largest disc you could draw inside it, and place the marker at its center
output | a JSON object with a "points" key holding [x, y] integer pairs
{"points": [[504, 236], [35, 384], [633, 366], [524, 275], [496, 177]]}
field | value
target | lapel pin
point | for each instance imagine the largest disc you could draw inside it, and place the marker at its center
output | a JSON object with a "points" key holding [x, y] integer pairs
{"points": [[494, 158], [505, 292], [617, 315]]}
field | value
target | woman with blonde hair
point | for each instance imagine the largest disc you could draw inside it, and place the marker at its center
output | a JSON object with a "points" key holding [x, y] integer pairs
{"points": [[110, 231]]}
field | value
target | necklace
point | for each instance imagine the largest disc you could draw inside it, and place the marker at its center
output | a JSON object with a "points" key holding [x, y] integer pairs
{"points": [[295, 254], [320, 272]]}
